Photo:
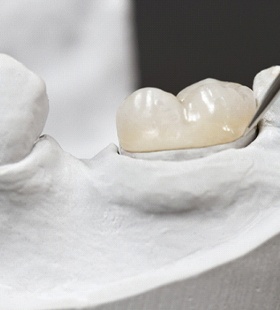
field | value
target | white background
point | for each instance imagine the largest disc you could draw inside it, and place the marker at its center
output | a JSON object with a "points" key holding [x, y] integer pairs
{"points": [[84, 52]]}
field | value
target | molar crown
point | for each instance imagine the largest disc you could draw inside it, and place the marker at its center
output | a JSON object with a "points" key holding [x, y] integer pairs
{"points": [[23, 109], [207, 113]]}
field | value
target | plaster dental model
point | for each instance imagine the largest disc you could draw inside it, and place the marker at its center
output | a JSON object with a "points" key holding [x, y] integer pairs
{"points": [[115, 232]]}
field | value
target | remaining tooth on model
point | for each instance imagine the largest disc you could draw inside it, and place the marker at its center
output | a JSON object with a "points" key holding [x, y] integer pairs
{"points": [[207, 113], [23, 109]]}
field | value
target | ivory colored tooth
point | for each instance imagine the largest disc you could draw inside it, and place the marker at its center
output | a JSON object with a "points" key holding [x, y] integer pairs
{"points": [[23, 109], [148, 120], [225, 109], [206, 113]]}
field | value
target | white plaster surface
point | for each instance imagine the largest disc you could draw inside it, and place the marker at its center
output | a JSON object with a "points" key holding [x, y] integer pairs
{"points": [[250, 283], [23, 109], [80, 233]]}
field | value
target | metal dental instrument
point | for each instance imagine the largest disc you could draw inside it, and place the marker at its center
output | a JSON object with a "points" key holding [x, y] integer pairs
{"points": [[266, 103]]}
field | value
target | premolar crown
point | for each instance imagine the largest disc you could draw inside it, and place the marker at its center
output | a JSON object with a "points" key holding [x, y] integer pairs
{"points": [[23, 109], [206, 113]]}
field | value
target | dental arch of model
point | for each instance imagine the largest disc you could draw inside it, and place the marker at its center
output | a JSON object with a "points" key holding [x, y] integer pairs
{"points": [[78, 233]]}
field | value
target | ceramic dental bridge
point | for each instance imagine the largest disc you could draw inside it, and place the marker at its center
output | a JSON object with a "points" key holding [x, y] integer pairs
{"points": [[117, 233], [140, 108]]}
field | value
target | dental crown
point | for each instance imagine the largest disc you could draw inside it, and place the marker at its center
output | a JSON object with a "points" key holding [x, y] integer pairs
{"points": [[206, 113]]}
